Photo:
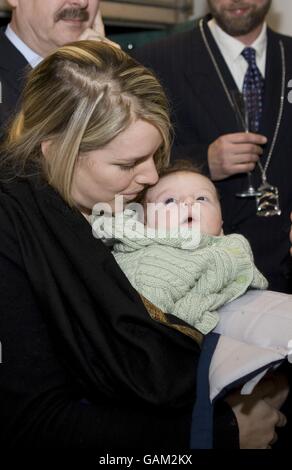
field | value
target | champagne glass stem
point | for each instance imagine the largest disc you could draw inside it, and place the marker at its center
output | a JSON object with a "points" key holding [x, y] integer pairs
{"points": [[242, 117]]}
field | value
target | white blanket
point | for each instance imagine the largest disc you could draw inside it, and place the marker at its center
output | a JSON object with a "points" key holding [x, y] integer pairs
{"points": [[256, 332]]}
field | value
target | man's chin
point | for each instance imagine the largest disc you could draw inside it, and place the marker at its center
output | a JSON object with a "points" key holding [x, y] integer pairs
{"points": [[69, 31], [236, 30]]}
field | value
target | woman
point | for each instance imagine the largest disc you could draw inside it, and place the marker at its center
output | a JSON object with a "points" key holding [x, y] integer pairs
{"points": [[84, 364]]}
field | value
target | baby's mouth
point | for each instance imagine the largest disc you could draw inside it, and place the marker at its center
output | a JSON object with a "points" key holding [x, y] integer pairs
{"points": [[188, 221]]}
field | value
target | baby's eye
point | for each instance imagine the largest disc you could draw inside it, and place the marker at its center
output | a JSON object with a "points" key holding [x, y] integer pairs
{"points": [[169, 200], [202, 198]]}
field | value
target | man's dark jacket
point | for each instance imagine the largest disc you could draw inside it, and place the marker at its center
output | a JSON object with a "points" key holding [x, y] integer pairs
{"points": [[13, 69]]}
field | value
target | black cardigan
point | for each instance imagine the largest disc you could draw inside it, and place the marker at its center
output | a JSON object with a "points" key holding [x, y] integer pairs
{"points": [[83, 364]]}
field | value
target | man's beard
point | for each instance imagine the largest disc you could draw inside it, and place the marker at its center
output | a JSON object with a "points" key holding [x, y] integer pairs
{"points": [[241, 25]]}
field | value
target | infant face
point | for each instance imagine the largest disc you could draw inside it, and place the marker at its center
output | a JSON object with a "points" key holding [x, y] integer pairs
{"points": [[183, 199]]}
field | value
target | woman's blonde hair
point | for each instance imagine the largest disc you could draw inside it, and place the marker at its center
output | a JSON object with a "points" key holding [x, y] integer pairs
{"points": [[79, 99]]}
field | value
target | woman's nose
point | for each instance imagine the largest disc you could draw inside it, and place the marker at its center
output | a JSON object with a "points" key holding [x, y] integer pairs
{"points": [[147, 173]]}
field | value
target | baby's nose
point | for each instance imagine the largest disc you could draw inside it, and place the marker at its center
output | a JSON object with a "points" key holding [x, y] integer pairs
{"points": [[189, 200]]}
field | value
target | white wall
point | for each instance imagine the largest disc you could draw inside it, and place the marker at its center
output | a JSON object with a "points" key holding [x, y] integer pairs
{"points": [[280, 16], [200, 8]]}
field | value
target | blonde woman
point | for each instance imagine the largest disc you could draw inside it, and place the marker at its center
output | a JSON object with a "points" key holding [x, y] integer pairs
{"points": [[83, 363]]}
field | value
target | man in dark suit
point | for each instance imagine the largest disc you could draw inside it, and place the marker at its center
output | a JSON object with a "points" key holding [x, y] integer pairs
{"points": [[37, 27], [202, 70]]}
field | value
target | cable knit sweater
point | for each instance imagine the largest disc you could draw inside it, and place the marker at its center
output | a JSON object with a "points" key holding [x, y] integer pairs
{"points": [[182, 272]]}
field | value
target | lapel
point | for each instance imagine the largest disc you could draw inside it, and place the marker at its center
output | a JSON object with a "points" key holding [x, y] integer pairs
{"points": [[272, 92], [205, 82]]}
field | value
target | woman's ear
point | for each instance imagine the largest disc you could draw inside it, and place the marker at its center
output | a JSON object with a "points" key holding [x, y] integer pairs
{"points": [[45, 146]]}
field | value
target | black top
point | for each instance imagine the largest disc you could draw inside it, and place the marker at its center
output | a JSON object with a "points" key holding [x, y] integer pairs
{"points": [[83, 364]]}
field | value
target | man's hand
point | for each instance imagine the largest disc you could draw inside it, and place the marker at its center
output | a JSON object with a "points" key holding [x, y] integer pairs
{"points": [[97, 32], [234, 153], [278, 389], [257, 418]]}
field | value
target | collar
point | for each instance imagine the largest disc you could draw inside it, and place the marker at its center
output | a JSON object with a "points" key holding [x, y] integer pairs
{"points": [[232, 47], [31, 56]]}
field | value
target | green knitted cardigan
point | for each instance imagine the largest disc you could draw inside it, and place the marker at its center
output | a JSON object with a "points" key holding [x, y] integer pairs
{"points": [[182, 272]]}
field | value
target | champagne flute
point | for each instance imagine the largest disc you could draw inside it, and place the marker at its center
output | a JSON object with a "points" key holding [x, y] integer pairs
{"points": [[242, 117]]}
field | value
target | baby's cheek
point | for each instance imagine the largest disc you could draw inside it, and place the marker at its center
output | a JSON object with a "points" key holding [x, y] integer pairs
{"points": [[152, 217], [176, 215]]}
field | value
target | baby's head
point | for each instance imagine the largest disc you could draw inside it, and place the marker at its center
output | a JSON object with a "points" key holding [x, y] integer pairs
{"points": [[180, 193]]}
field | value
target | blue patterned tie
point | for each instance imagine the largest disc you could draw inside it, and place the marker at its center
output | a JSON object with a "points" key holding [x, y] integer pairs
{"points": [[253, 87]]}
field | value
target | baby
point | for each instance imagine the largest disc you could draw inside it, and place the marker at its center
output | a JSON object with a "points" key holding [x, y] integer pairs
{"points": [[178, 257]]}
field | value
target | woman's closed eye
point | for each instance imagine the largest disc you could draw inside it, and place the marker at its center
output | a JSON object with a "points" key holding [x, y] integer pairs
{"points": [[127, 167], [202, 198], [132, 164]]}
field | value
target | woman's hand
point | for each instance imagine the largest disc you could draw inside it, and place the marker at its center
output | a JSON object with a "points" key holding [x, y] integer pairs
{"points": [[256, 417]]}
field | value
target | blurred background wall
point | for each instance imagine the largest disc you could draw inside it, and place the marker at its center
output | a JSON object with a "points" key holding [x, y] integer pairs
{"points": [[126, 16]]}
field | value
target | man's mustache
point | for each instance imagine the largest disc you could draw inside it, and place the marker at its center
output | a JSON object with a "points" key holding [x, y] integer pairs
{"points": [[238, 6], [72, 14]]}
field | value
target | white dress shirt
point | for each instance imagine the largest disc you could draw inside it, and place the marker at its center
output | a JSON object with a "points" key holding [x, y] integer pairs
{"points": [[231, 49], [31, 56]]}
